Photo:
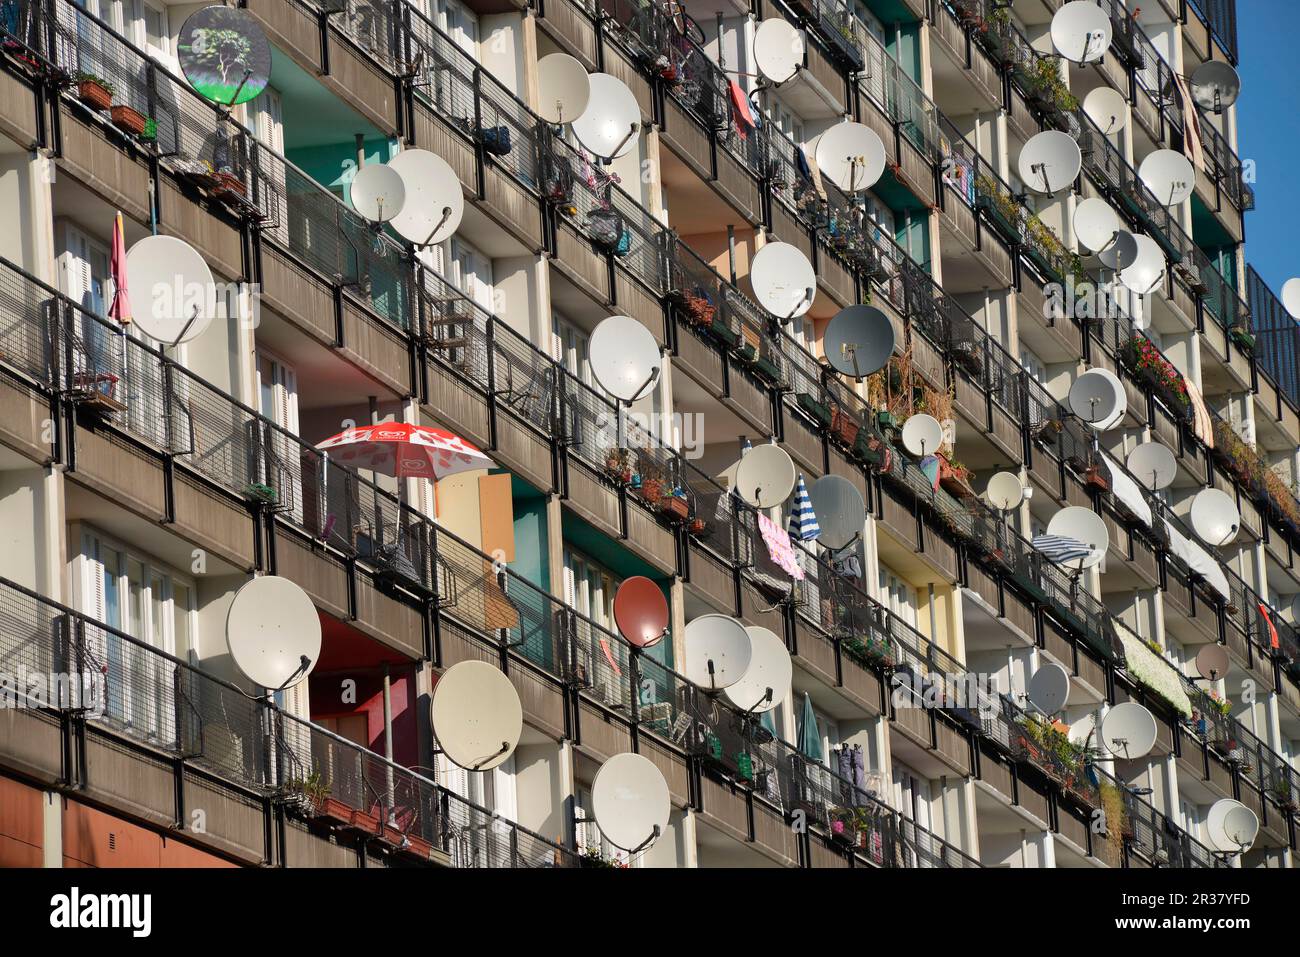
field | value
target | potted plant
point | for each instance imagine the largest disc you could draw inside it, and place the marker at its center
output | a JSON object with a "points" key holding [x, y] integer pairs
{"points": [[1242, 339], [651, 491], [1096, 476], [675, 505], [264, 494], [955, 478], [94, 91], [128, 119], [618, 466], [592, 857]]}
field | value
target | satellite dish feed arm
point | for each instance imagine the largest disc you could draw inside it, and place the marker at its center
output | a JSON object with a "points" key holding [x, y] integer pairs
{"points": [[654, 836], [505, 747]]}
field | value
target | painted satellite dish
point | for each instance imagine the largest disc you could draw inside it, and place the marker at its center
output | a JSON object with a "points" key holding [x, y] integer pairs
{"points": [[224, 54]]}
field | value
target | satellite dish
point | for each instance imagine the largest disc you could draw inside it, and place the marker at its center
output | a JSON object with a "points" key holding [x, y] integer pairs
{"points": [[273, 632], [1153, 464], [784, 280], [851, 156], [1049, 688], [769, 668], [1095, 223], [1107, 108], [377, 192], [630, 801], [1081, 31], [922, 434], [1050, 161], [1291, 297], [624, 357], [778, 50], [1169, 175], [1214, 517], [858, 341], [610, 124], [563, 88], [1231, 826], [173, 297], [1145, 272], [718, 651], [477, 716], [1212, 662], [765, 476], [640, 611], [1098, 398], [1005, 491], [434, 201], [1083, 525], [840, 510], [224, 54], [1128, 731], [1215, 86], [1121, 253]]}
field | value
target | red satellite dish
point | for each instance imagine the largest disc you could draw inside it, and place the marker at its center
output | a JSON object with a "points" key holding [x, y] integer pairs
{"points": [[640, 611]]}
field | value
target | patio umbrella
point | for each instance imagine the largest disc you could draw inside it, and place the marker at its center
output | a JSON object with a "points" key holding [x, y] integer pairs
{"points": [[803, 521], [810, 738], [1061, 548], [121, 307], [403, 450]]}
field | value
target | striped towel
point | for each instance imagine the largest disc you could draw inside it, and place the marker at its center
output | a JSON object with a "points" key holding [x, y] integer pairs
{"points": [[803, 521], [1061, 548]]}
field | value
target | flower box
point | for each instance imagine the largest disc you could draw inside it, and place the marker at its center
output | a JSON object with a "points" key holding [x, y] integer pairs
{"points": [[1096, 477], [127, 119], [230, 184], [332, 810], [844, 427], [94, 94], [261, 493], [366, 821], [955, 479], [676, 508], [819, 411]]}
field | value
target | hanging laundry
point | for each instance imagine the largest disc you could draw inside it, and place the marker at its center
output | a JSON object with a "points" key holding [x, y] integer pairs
{"points": [[814, 174], [1191, 124], [741, 110], [1272, 632], [847, 566], [779, 548], [1202, 424], [930, 469]]}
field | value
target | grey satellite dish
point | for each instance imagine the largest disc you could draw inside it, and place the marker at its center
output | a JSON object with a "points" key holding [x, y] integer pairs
{"points": [[765, 476], [1214, 517], [1098, 398], [434, 202], [778, 50], [630, 801], [858, 341], [563, 88], [274, 633], [1095, 224], [766, 681], [172, 295], [1212, 662], [224, 53], [851, 156], [840, 510], [1049, 688], [1050, 161], [1147, 270], [1005, 491], [1169, 175], [611, 123], [1230, 826], [377, 192], [1154, 465], [784, 280], [922, 434], [477, 715], [1081, 31], [1107, 108], [718, 651], [1083, 525], [1121, 253], [1291, 297], [1128, 731], [1215, 86], [624, 358]]}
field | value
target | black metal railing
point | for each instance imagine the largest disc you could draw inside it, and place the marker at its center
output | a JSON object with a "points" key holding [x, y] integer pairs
{"points": [[1277, 337], [1221, 17], [1151, 835]]}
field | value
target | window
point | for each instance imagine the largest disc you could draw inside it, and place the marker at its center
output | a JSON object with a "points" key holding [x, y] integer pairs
{"points": [[157, 37], [460, 23], [786, 121], [277, 393], [1034, 366], [472, 273], [599, 659], [570, 349], [589, 587], [897, 595]]}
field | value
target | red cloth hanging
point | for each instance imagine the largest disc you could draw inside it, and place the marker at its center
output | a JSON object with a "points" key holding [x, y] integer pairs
{"points": [[1272, 632]]}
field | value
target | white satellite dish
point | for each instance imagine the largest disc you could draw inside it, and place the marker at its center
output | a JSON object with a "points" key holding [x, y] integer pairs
{"points": [[563, 88], [1128, 731], [1095, 223], [1212, 662], [477, 715], [610, 124], [784, 280], [1147, 270], [170, 287], [778, 50], [841, 512], [1214, 517], [765, 476], [922, 434], [1107, 108], [858, 341], [1291, 297], [1049, 688], [434, 202], [1098, 398], [1005, 491], [1083, 525], [1230, 826], [1169, 175], [624, 357], [1215, 86], [1153, 464], [1121, 253], [851, 156], [718, 651], [377, 192], [1050, 161], [1081, 31], [770, 669], [273, 632], [630, 801]]}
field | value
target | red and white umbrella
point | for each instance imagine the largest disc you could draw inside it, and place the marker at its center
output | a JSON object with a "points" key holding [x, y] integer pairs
{"points": [[403, 450]]}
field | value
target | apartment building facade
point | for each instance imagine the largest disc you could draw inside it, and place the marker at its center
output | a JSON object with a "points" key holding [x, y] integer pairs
{"points": [[144, 483]]}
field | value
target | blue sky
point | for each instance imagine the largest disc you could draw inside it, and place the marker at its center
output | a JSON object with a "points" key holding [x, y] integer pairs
{"points": [[1268, 132]]}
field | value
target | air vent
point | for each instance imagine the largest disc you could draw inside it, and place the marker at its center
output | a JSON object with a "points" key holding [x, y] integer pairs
{"points": [[112, 840]]}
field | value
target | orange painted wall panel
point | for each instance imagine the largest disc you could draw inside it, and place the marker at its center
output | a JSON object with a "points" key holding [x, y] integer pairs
{"points": [[15, 853], [101, 840], [177, 854], [21, 813]]}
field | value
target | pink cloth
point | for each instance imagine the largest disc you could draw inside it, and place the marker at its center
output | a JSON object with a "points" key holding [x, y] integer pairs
{"points": [[778, 545], [1191, 124], [121, 307]]}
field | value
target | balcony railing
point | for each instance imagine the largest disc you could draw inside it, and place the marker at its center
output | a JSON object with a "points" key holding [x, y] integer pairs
{"points": [[1149, 834], [1277, 337], [1221, 17]]}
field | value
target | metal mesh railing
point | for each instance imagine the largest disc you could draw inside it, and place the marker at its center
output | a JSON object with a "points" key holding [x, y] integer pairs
{"points": [[1151, 835], [1277, 337]]}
